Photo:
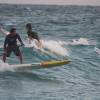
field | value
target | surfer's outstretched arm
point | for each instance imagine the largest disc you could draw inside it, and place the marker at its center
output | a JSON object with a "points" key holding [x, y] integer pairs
{"points": [[4, 31]]}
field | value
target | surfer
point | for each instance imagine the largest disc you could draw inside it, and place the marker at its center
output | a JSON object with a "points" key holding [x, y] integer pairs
{"points": [[10, 45], [33, 35]]}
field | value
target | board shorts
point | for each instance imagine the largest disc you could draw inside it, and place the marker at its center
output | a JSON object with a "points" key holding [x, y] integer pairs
{"points": [[14, 49]]}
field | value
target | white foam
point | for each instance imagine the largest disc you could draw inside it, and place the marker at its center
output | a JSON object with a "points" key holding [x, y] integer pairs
{"points": [[97, 50], [31, 44], [83, 41], [80, 41], [4, 66], [28, 8], [50, 46], [55, 47]]}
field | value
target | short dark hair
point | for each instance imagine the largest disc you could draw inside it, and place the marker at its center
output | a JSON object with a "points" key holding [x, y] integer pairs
{"points": [[29, 26], [12, 30]]}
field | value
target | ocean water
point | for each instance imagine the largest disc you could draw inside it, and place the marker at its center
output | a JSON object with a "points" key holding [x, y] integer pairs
{"points": [[69, 32]]}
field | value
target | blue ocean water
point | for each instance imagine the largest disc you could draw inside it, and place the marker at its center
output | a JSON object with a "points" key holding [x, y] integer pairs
{"points": [[77, 28]]}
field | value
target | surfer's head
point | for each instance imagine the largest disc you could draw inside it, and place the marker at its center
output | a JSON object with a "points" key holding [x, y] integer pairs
{"points": [[13, 30], [29, 26]]}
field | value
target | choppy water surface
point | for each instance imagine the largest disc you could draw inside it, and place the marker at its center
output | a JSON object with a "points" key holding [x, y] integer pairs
{"points": [[69, 32]]}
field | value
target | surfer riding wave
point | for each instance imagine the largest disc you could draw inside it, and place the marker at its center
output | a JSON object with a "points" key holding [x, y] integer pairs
{"points": [[10, 45]]}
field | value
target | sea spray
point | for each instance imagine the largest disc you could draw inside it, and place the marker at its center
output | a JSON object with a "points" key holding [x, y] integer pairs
{"points": [[5, 66]]}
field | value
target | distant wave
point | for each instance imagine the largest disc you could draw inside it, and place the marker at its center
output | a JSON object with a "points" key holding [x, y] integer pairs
{"points": [[80, 41]]}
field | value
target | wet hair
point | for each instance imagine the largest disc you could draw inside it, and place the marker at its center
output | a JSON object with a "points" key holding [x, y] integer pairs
{"points": [[12, 30], [29, 26]]}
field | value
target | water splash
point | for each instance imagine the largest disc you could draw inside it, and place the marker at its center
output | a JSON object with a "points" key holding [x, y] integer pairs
{"points": [[55, 47], [83, 41], [49, 46], [97, 50], [4, 66]]}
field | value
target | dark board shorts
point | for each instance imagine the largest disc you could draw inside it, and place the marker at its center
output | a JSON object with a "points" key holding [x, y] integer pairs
{"points": [[14, 49]]}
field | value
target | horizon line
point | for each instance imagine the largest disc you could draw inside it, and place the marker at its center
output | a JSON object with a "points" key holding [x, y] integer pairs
{"points": [[48, 4]]}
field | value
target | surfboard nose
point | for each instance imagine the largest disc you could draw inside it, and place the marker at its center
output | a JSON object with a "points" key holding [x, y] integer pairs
{"points": [[54, 63]]}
